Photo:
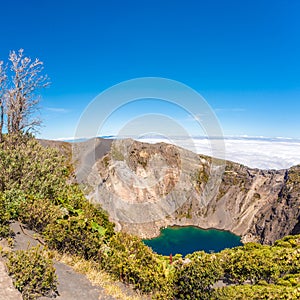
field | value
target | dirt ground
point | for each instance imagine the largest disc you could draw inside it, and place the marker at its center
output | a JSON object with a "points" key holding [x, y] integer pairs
{"points": [[72, 285]]}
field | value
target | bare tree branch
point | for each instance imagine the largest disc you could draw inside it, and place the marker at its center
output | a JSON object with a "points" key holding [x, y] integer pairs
{"points": [[22, 99], [3, 82]]}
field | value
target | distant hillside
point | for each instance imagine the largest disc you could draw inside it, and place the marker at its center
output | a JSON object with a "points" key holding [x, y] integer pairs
{"points": [[64, 147], [259, 205]]}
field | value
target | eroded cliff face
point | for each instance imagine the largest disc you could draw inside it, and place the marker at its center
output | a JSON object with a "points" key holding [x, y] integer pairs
{"points": [[146, 187], [281, 216]]}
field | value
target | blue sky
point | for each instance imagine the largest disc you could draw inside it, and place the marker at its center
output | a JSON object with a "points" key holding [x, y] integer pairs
{"points": [[241, 56]]}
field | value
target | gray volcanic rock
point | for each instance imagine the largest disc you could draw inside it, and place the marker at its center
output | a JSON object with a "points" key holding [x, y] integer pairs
{"points": [[281, 216], [145, 187]]}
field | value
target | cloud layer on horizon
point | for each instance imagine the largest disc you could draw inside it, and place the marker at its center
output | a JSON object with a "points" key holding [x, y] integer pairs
{"points": [[262, 153]]}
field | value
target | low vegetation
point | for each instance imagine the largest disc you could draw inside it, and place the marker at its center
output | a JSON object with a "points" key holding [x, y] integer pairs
{"points": [[33, 272], [131, 261], [37, 188]]}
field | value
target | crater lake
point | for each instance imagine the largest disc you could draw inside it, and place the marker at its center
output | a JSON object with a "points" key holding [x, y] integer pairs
{"points": [[184, 240]]}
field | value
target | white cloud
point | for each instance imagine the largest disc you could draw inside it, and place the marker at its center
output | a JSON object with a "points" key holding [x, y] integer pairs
{"points": [[254, 152], [58, 110]]}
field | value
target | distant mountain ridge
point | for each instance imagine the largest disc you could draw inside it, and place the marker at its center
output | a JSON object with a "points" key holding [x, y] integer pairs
{"points": [[255, 152]]}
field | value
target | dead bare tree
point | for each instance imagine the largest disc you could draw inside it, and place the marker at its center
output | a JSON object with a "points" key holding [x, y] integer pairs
{"points": [[3, 82], [21, 97]]}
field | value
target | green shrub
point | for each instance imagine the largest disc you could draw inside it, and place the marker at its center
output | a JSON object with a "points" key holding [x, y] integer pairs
{"points": [[77, 233], [255, 292], [4, 229], [37, 213], [33, 272], [254, 262], [81, 229], [289, 280], [128, 259], [72, 200], [195, 276], [4, 219], [289, 241], [12, 200], [75, 236], [27, 166]]}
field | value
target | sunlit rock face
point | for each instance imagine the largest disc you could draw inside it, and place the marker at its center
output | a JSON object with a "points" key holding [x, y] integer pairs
{"points": [[148, 186]]}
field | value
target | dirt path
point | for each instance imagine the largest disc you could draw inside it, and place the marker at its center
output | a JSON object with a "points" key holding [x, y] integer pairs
{"points": [[72, 285]]}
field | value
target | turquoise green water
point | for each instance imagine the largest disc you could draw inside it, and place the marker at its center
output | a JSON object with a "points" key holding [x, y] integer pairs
{"points": [[185, 240]]}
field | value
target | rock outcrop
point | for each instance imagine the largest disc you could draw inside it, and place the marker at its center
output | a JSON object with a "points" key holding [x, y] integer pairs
{"points": [[146, 187]]}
